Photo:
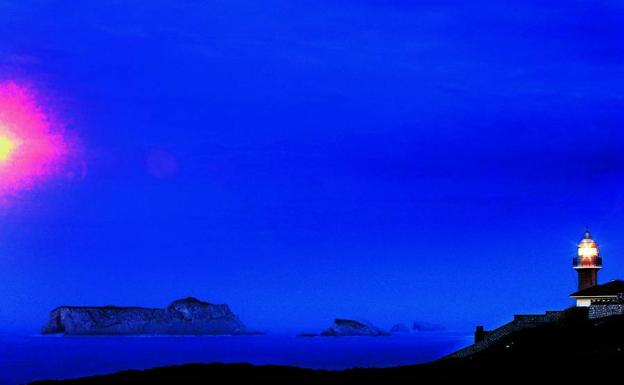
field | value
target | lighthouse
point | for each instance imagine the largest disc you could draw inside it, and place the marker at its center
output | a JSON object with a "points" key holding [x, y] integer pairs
{"points": [[587, 262]]}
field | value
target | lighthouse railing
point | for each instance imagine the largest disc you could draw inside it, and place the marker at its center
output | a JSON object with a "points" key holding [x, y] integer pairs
{"points": [[587, 262]]}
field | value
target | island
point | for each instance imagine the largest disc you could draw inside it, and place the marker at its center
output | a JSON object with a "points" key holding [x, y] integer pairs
{"points": [[426, 327], [399, 328], [352, 328], [188, 316]]}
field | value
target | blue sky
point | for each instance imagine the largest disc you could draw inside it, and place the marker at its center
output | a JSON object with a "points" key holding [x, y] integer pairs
{"points": [[389, 160]]}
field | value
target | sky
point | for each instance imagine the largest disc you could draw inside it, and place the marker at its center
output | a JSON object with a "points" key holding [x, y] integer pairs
{"points": [[392, 160]]}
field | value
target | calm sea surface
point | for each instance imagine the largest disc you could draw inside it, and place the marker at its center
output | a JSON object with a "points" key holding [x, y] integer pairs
{"points": [[27, 358]]}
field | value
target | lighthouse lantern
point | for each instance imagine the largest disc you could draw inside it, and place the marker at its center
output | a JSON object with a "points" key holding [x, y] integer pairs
{"points": [[588, 261]]}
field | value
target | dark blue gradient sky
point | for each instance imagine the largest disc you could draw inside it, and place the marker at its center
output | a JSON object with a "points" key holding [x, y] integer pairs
{"points": [[301, 160]]}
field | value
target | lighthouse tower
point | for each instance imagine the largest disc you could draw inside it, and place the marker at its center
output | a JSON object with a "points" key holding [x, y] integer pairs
{"points": [[588, 262]]}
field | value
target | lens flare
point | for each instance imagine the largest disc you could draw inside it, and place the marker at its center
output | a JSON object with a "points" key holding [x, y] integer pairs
{"points": [[6, 148], [32, 148]]}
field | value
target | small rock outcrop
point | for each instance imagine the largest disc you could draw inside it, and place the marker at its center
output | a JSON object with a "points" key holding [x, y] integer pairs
{"points": [[346, 327], [427, 327], [188, 316], [399, 328]]}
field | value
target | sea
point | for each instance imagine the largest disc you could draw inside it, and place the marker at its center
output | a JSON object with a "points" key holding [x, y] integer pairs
{"points": [[25, 358]]}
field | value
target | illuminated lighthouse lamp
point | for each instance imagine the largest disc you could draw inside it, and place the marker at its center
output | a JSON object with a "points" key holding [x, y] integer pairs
{"points": [[587, 249], [588, 262], [587, 252]]}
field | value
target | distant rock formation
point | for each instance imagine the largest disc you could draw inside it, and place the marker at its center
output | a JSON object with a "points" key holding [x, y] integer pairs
{"points": [[427, 327], [188, 316], [400, 328], [345, 327]]}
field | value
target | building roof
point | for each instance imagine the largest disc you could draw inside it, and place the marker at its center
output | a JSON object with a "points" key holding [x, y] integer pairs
{"points": [[611, 288]]}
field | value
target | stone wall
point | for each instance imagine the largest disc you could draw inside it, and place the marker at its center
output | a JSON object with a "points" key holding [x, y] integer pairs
{"points": [[601, 310], [485, 339]]}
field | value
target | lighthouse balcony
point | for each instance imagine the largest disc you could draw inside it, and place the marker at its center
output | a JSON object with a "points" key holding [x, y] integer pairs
{"points": [[584, 262]]}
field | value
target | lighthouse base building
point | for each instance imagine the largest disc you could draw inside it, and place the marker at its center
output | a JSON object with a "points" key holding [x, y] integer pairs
{"points": [[608, 293]]}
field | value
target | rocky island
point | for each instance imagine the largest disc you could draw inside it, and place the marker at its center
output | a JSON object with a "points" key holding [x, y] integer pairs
{"points": [[399, 328], [188, 316], [426, 327], [350, 328]]}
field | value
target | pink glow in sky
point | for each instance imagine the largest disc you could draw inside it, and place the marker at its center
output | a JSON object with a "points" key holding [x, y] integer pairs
{"points": [[32, 149]]}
